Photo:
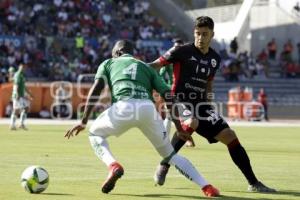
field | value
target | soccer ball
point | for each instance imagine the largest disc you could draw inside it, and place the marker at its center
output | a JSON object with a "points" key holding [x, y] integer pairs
{"points": [[35, 179]]}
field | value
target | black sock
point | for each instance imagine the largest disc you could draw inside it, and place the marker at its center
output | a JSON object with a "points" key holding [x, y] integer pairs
{"points": [[177, 143], [241, 159]]}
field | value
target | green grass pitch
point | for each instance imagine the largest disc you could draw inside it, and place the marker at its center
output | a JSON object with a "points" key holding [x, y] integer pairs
{"points": [[77, 174]]}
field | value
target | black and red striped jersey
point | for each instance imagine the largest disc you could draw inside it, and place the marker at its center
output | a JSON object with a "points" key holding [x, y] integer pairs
{"points": [[191, 71]]}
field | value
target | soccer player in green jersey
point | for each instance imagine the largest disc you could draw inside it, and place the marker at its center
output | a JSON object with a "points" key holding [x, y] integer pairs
{"points": [[131, 82], [20, 99]]}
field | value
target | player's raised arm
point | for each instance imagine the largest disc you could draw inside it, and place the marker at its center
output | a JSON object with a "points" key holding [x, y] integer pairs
{"points": [[156, 64], [166, 59]]}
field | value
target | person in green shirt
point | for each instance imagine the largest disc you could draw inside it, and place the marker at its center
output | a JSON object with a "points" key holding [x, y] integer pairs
{"points": [[20, 98], [166, 73], [131, 82]]}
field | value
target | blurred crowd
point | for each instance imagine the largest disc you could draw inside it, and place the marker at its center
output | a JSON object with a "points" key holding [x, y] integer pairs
{"points": [[60, 39], [238, 65]]}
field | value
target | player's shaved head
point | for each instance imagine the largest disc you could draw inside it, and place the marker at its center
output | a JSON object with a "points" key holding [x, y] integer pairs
{"points": [[122, 47]]}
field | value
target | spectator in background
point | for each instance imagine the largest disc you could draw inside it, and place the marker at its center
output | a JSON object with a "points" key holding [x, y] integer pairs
{"points": [[223, 50], [262, 98], [262, 58], [252, 66], [272, 49], [288, 48], [243, 58], [234, 46], [297, 7], [234, 69], [79, 41], [286, 60]]}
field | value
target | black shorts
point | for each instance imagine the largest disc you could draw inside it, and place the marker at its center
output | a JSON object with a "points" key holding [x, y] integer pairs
{"points": [[211, 123]]}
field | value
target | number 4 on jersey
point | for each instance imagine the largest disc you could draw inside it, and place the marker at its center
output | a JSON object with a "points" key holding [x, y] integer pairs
{"points": [[131, 70]]}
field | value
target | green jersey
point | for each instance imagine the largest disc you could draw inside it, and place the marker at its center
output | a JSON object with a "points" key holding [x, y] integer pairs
{"points": [[129, 78], [167, 74], [19, 85]]}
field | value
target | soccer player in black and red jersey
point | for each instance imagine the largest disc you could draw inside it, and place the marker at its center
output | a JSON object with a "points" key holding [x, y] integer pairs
{"points": [[195, 65]]}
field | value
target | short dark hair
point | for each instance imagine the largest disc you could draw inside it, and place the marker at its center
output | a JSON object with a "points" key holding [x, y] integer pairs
{"points": [[122, 47], [204, 21]]}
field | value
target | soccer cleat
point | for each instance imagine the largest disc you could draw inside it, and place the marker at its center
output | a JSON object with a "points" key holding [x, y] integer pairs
{"points": [[115, 172], [260, 187], [13, 128], [160, 174], [23, 127], [210, 191]]}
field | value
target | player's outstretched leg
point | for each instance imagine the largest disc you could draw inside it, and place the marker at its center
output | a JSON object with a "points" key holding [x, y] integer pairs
{"points": [[161, 173], [167, 124], [260, 187], [241, 159], [163, 168], [116, 171], [186, 168]]}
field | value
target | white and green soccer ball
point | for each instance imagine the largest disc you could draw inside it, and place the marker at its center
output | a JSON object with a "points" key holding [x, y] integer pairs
{"points": [[35, 179]]}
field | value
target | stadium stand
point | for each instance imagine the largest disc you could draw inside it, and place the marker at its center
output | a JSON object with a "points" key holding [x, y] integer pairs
{"points": [[59, 40]]}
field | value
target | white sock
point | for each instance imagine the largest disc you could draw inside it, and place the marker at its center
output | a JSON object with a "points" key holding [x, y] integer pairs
{"points": [[186, 168], [23, 116], [101, 149], [167, 124], [13, 119]]}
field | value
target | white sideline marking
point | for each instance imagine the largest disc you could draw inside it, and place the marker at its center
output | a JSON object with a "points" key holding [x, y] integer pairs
{"points": [[271, 123], [44, 121]]}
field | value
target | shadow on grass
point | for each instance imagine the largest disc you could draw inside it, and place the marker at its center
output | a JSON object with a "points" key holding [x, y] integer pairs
{"points": [[280, 192], [180, 188], [169, 196], [173, 196], [56, 194], [289, 192]]}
